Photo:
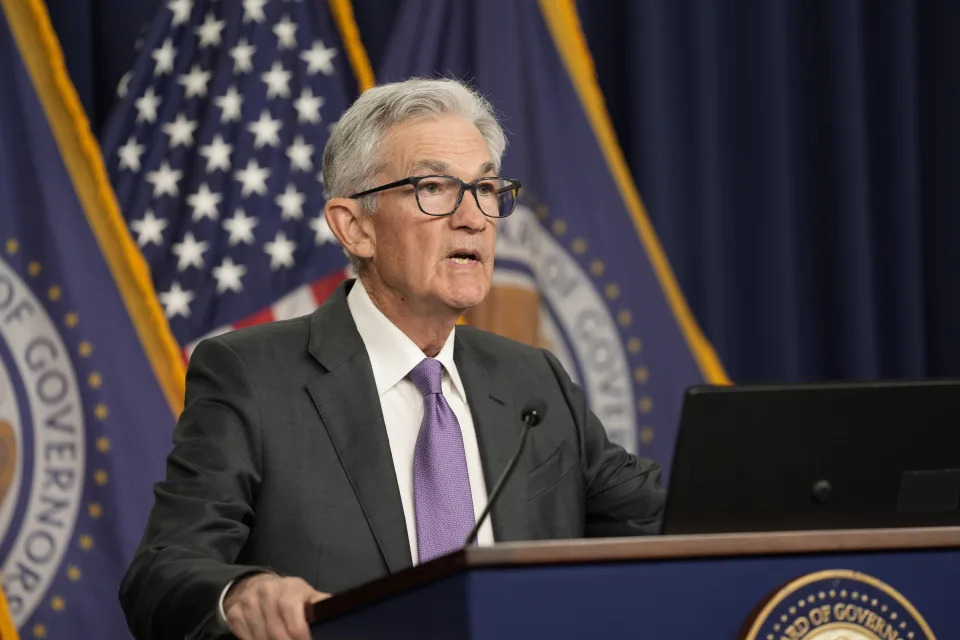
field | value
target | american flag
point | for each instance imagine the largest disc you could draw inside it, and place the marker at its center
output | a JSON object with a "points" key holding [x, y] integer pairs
{"points": [[214, 153]]}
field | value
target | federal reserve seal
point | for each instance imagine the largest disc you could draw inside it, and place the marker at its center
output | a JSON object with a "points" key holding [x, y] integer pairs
{"points": [[839, 605], [42, 446]]}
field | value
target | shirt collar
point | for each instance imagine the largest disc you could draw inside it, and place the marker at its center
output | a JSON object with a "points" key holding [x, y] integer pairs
{"points": [[392, 354]]}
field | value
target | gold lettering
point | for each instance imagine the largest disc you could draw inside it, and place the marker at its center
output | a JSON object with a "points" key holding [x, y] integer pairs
{"points": [[820, 616], [802, 625], [815, 617], [797, 629]]}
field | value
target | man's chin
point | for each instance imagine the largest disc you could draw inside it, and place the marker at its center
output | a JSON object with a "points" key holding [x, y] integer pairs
{"points": [[466, 298]]}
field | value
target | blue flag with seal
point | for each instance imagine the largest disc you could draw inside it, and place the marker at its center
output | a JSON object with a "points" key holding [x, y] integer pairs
{"points": [[580, 241], [90, 377]]}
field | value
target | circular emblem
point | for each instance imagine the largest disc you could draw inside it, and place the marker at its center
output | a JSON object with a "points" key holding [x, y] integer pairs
{"points": [[575, 322], [839, 605], [42, 446]]}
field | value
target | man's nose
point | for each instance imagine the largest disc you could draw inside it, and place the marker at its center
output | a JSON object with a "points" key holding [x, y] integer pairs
{"points": [[468, 215]]}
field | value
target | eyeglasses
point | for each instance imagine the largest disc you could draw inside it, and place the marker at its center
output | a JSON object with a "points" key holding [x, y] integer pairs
{"points": [[441, 195]]}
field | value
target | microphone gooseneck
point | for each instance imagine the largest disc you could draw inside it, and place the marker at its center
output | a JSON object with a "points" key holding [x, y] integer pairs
{"points": [[532, 415]]}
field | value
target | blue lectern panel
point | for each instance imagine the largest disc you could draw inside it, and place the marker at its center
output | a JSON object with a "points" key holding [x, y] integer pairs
{"points": [[674, 599], [438, 611]]}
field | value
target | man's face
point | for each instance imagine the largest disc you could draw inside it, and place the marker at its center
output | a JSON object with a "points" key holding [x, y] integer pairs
{"points": [[431, 263]]}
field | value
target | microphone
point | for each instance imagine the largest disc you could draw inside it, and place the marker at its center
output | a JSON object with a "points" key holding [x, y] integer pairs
{"points": [[532, 415]]}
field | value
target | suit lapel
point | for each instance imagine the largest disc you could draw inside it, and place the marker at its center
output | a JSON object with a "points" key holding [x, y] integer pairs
{"points": [[346, 398], [497, 423]]}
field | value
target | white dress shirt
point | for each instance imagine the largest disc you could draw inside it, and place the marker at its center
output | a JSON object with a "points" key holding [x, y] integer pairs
{"points": [[393, 355]]}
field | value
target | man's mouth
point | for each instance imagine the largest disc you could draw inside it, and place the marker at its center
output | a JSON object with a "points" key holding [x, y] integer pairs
{"points": [[464, 257]]}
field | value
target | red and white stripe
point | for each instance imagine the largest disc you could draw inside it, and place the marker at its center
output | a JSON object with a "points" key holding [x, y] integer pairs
{"points": [[298, 302]]}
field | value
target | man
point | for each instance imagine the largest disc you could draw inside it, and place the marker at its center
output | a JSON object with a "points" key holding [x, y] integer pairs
{"points": [[323, 452]]}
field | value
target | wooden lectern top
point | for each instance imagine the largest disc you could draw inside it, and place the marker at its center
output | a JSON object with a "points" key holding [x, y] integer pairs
{"points": [[632, 549]]}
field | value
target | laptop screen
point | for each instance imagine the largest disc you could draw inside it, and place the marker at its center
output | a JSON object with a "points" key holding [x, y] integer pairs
{"points": [[817, 456]]}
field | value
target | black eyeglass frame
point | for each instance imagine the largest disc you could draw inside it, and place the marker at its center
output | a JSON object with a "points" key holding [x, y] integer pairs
{"points": [[472, 186]]}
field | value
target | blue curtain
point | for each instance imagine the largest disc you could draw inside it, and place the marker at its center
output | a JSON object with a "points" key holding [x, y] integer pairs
{"points": [[798, 160]]}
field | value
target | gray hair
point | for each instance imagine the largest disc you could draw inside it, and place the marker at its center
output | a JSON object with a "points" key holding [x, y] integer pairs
{"points": [[352, 157]]}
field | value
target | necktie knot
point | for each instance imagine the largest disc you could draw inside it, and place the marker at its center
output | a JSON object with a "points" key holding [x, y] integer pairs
{"points": [[426, 376]]}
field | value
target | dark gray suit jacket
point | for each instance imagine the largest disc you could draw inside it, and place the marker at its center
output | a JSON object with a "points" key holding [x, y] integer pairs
{"points": [[281, 461]]}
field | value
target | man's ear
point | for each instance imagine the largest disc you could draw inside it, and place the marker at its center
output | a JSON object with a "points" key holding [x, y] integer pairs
{"points": [[352, 226]]}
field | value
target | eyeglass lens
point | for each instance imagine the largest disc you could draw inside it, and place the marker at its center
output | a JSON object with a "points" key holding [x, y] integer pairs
{"points": [[437, 195]]}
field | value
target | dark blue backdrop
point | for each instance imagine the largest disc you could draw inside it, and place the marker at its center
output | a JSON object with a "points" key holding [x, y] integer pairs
{"points": [[798, 159]]}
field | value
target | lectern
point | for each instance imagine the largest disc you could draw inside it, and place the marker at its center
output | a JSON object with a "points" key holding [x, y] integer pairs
{"points": [[899, 584]]}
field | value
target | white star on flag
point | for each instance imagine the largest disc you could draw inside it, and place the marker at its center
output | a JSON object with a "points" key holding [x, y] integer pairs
{"points": [[253, 10], [181, 11], [209, 31], [265, 130], [164, 180], [277, 81], [180, 131], [147, 106], [149, 229], [290, 203], [228, 276], [280, 250], [217, 154], [195, 82], [124, 85], [240, 227], [299, 153], [176, 301], [229, 104], [204, 203], [319, 58], [253, 178], [308, 106], [189, 252], [164, 56], [242, 55], [286, 32], [130, 154]]}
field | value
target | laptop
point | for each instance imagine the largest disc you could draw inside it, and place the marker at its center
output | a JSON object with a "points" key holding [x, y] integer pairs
{"points": [[816, 456]]}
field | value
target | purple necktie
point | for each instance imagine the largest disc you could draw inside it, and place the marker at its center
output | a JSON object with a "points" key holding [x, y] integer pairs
{"points": [[441, 485]]}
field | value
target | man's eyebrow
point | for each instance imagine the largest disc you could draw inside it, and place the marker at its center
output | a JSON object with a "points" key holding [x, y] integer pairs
{"points": [[434, 166], [437, 166]]}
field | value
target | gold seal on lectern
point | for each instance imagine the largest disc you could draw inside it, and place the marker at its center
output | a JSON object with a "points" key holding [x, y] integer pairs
{"points": [[839, 604]]}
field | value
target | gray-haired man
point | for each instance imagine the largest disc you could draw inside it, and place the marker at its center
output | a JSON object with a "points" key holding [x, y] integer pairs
{"points": [[319, 453]]}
